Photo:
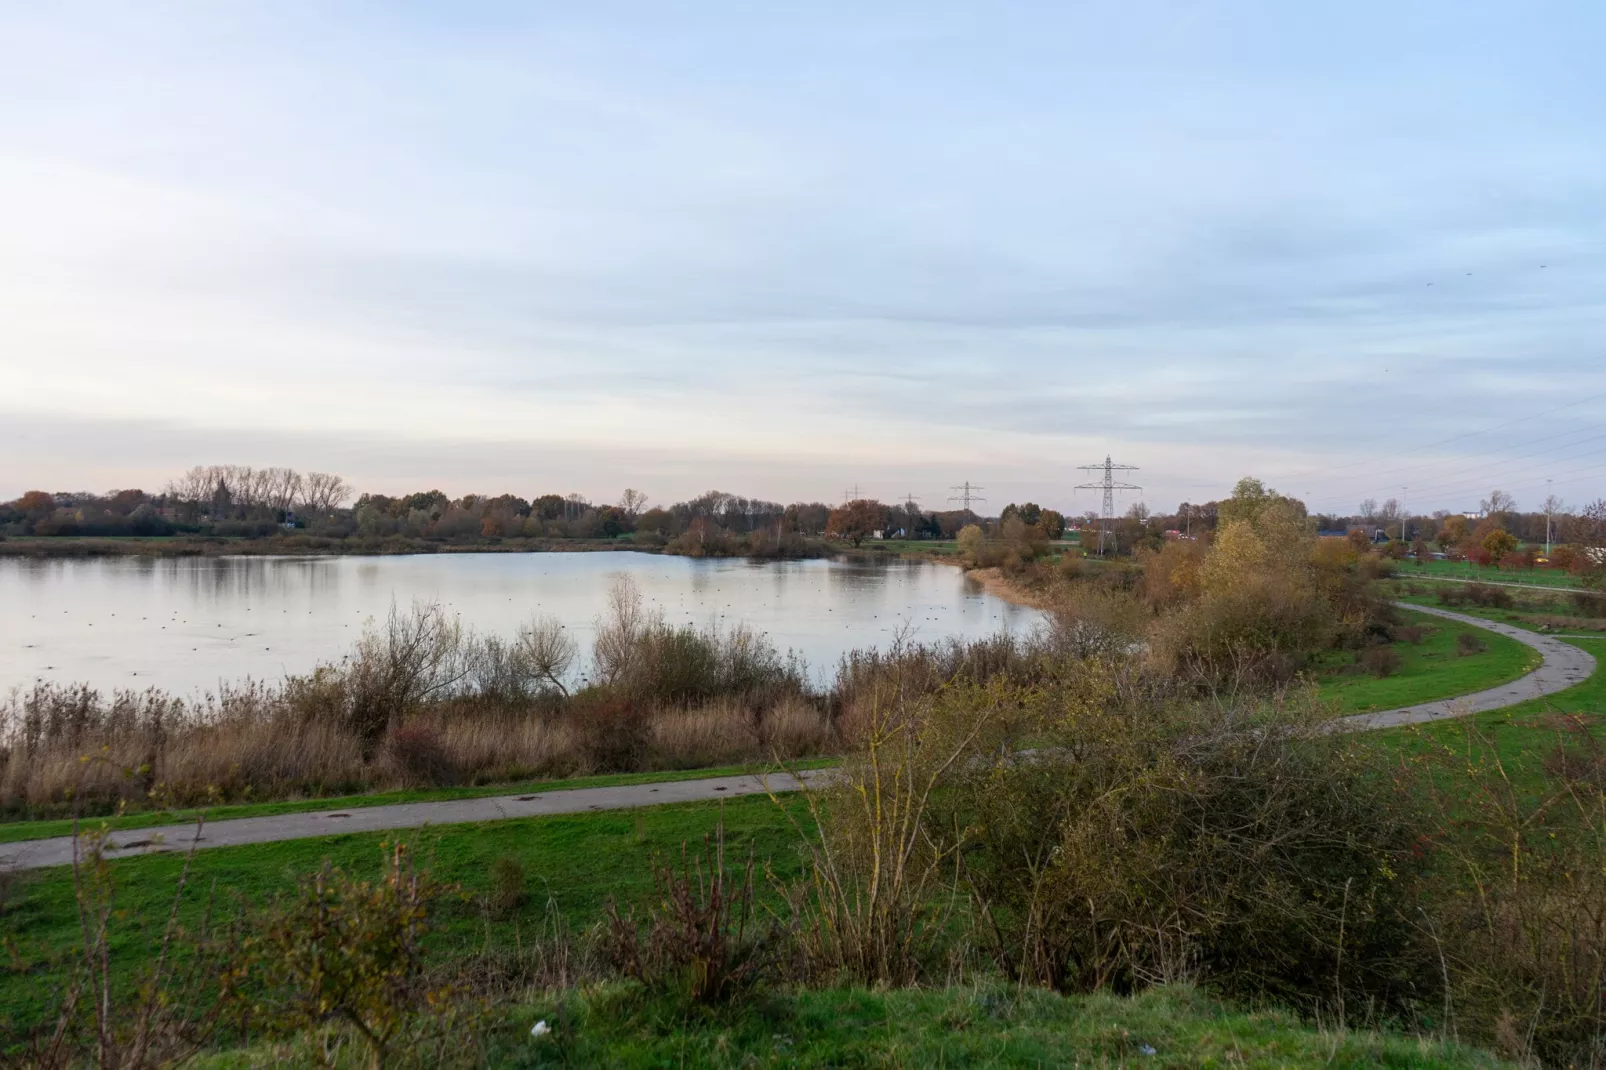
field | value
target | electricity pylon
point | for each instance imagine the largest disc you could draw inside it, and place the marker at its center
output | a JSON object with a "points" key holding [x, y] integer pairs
{"points": [[1109, 486]]}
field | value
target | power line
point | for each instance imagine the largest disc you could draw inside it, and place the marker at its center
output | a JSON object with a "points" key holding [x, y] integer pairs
{"points": [[1453, 438], [1490, 468], [1109, 486], [967, 494]]}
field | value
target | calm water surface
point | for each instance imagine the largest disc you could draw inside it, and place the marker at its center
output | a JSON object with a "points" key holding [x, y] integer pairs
{"points": [[186, 624]]}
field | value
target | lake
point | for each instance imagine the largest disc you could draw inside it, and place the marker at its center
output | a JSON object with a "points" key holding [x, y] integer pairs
{"points": [[187, 624]]}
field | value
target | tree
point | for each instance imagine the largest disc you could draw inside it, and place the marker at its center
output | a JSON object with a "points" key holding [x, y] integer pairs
{"points": [[323, 492], [1368, 509], [632, 502], [1052, 523], [1453, 531], [857, 520], [37, 504], [1499, 543], [1498, 504], [970, 542], [1250, 498]]}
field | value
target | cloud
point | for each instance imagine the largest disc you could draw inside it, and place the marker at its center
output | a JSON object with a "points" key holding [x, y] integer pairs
{"points": [[797, 248]]}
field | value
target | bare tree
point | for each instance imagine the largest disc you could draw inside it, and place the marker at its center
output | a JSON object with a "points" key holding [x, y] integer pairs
{"points": [[1497, 504], [283, 488], [632, 502], [323, 491], [1369, 509], [548, 651], [620, 633]]}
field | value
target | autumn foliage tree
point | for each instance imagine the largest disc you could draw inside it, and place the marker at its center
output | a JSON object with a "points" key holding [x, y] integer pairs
{"points": [[857, 520], [1498, 544]]}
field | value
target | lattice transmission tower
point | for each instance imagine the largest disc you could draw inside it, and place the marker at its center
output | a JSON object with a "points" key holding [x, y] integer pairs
{"points": [[1109, 486], [966, 495]]}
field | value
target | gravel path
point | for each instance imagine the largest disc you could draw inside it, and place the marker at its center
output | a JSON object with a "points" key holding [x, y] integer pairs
{"points": [[1563, 667]]}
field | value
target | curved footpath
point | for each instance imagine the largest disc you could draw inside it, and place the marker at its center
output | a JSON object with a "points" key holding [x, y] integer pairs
{"points": [[1563, 666]]}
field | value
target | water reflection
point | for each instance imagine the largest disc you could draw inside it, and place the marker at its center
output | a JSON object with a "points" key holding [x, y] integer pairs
{"points": [[189, 624]]}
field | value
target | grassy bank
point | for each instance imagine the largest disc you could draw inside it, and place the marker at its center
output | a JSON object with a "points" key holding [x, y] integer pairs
{"points": [[574, 861]]}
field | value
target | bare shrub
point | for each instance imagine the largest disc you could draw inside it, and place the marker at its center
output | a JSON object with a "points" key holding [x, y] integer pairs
{"points": [[549, 651], [870, 908], [1380, 661], [611, 733], [1588, 603], [416, 655], [173, 1007], [1096, 619], [700, 940], [1467, 644], [420, 752], [1408, 633], [1488, 596]]}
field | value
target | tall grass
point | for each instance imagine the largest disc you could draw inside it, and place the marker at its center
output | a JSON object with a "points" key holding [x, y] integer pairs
{"points": [[421, 700]]}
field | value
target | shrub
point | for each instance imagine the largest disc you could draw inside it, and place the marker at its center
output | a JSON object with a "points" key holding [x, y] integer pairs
{"points": [[870, 908], [507, 885], [1380, 661], [415, 655], [345, 949], [1523, 926], [701, 942], [123, 1005], [1147, 840], [1467, 644], [1588, 603], [420, 752], [1488, 596], [613, 733], [971, 540], [1408, 633]]}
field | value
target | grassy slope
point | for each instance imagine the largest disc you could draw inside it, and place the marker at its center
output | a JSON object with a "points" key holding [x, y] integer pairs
{"points": [[579, 860], [1429, 670], [13, 831], [990, 1025]]}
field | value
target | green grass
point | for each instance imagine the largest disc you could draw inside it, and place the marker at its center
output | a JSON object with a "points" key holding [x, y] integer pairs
{"points": [[15, 831], [617, 1025], [1466, 570], [1430, 670], [578, 860], [1524, 733]]}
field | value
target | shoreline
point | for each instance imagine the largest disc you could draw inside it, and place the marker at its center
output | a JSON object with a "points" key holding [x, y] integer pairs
{"points": [[995, 583]]}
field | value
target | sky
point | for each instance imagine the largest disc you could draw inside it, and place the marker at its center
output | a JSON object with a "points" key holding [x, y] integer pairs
{"points": [[1357, 250]]}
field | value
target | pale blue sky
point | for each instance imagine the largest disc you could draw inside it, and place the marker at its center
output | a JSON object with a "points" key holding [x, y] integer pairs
{"points": [[782, 250]]}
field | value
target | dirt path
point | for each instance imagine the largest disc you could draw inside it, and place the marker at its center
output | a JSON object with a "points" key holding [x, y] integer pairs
{"points": [[1563, 666]]}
